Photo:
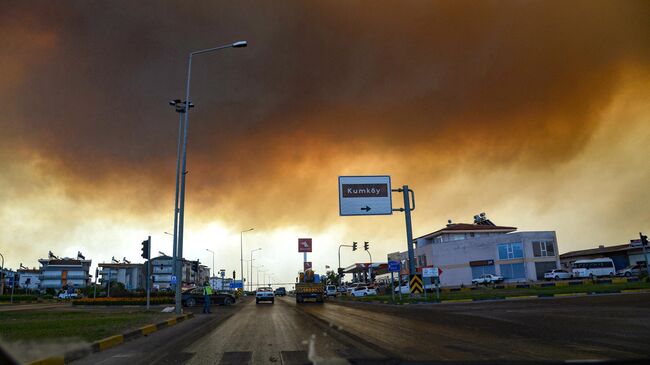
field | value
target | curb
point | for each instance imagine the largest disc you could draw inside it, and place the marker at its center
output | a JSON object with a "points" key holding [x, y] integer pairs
{"points": [[110, 342], [515, 297]]}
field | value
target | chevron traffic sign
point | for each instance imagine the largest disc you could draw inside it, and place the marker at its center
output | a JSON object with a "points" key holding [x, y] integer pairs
{"points": [[415, 284]]}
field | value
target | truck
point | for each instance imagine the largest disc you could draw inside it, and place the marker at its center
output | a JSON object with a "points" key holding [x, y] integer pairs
{"points": [[309, 286]]}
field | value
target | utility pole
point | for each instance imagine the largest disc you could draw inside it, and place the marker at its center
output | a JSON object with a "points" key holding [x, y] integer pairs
{"points": [[644, 242]]}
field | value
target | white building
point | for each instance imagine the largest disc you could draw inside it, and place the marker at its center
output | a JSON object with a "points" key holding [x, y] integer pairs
{"points": [[59, 273], [132, 276], [465, 251]]}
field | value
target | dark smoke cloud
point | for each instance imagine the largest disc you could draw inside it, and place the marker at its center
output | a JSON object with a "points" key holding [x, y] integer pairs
{"points": [[325, 88]]}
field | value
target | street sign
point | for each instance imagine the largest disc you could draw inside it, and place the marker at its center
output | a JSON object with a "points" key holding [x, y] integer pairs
{"points": [[307, 265], [415, 284], [393, 266], [429, 272], [173, 280], [365, 195], [236, 284], [304, 244]]}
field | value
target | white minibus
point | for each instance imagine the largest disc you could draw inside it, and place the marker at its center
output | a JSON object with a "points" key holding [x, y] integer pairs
{"points": [[593, 268]]}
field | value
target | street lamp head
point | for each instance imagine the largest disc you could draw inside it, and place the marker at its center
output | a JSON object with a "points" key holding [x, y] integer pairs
{"points": [[240, 44]]}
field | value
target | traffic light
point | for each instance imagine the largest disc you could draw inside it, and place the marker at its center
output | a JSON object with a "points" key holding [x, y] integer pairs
{"points": [[195, 266], [644, 239], [365, 246], [234, 277], [145, 249], [340, 271], [354, 246]]}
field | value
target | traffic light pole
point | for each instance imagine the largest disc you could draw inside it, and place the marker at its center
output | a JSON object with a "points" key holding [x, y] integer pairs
{"points": [[148, 271], [644, 242], [340, 268]]}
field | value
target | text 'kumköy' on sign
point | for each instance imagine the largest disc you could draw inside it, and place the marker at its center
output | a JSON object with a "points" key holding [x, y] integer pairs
{"points": [[365, 190]]}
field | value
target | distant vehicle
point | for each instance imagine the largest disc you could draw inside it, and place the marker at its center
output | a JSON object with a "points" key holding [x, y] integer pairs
{"points": [[557, 274], [632, 270], [351, 287], [68, 296], [362, 291], [593, 268], [280, 292], [330, 291], [487, 279], [309, 286], [264, 295], [194, 296], [405, 289]]}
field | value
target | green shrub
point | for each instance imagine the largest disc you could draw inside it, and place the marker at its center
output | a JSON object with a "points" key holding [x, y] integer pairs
{"points": [[18, 298]]}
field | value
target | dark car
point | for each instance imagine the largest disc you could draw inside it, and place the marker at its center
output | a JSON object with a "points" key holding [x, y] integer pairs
{"points": [[192, 297], [280, 292]]}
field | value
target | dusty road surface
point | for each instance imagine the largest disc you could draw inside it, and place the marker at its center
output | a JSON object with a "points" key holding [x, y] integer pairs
{"points": [[589, 327], [594, 327]]}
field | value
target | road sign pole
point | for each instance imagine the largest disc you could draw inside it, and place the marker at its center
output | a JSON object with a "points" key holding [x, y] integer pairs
{"points": [[424, 283], [409, 229], [392, 286], [399, 280], [437, 280]]}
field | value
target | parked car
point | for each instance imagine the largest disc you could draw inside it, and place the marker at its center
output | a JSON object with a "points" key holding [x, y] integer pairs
{"points": [[632, 270], [558, 274], [68, 296], [280, 292], [487, 279], [350, 288], [194, 296], [330, 291], [264, 295], [362, 291], [405, 288]]}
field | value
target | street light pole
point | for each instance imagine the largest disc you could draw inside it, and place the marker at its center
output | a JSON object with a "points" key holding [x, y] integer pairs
{"points": [[2, 276], [181, 213], [241, 254], [181, 108], [250, 287], [209, 250], [258, 275]]}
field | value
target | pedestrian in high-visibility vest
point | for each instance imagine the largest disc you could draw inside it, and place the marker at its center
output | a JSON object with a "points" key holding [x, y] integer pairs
{"points": [[207, 293]]}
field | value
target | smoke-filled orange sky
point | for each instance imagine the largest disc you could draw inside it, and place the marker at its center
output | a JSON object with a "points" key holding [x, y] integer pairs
{"points": [[535, 112]]}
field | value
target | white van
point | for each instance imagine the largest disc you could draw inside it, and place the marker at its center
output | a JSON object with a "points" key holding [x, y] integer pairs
{"points": [[593, 268]]}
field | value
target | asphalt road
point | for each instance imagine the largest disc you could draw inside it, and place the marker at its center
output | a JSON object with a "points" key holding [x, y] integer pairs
{"points": [[589, 327], [593, 327]]}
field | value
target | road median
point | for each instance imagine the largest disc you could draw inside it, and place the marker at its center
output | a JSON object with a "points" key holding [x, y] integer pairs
{"points": [[509, 293], [111, 341]]}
